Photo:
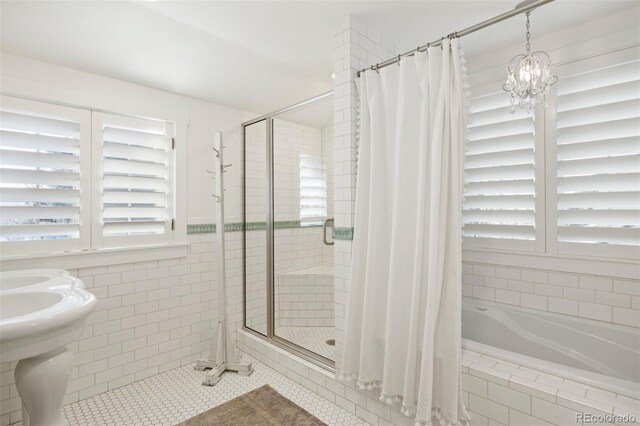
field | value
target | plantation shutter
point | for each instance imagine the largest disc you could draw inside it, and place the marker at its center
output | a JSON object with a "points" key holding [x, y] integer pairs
{"points": [[44, 177], [499, 203], [598, 157], [134, 175], [313, 191]]}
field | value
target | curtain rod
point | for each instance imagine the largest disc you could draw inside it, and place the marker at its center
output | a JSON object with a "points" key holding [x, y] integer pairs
{"points": [[520, 8]]}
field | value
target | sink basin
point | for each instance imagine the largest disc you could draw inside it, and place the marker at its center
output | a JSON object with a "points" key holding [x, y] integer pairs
{"points": [[16, 305], [41, 312], [18, 279]]}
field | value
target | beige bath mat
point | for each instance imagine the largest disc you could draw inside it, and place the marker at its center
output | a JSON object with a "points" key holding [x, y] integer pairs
{"points": [[262, 406]]}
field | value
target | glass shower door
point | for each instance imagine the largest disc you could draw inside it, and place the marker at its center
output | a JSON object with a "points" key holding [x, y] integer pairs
{"points": [[302, 243], [256, 214]]}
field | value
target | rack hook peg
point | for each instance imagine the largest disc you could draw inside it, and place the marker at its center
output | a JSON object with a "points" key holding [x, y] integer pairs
{"points": [[217, 152], [210, 172], [224, 166]]}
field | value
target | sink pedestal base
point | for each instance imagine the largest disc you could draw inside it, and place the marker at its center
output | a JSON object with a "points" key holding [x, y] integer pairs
{"points": [[42, 383]]}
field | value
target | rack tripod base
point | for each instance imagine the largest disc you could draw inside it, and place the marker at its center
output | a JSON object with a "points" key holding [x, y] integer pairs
{"points": [[212, 377]]}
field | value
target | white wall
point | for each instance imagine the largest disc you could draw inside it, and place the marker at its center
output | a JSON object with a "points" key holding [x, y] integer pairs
{"points": [[152, 315]]}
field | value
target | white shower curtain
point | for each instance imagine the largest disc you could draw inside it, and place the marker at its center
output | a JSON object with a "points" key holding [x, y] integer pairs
{"points": [[403, 325]]}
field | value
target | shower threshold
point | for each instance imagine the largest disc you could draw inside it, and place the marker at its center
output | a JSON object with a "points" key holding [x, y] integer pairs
{"points": [[315, 339]]}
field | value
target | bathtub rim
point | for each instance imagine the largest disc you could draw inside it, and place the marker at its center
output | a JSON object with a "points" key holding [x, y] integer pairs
{"points": [[627, 388]]}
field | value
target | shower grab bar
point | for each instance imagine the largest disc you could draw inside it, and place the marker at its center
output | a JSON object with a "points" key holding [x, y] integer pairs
{"points": [[325, 225]]}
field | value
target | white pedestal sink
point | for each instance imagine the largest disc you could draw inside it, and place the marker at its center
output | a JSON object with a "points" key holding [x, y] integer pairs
{"points": [[41, 312]]}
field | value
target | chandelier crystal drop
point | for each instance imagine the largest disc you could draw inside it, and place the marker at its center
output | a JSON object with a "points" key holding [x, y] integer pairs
{"points": [[529, 77]]}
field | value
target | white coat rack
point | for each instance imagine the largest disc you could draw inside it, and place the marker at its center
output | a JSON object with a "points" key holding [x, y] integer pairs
{"points": [[223, 356]]}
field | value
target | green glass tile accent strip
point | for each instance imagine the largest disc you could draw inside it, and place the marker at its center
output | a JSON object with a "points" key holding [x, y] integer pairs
{"points": [[343, 234], [286, 224], [208, 228], [249, 226], [202, 228]]}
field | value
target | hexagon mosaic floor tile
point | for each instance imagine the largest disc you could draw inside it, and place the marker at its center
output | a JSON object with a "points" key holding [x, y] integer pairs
{"points": [[176, 395], [313, 338]]}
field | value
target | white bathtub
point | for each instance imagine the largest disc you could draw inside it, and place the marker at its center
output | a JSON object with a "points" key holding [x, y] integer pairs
{"points": [[592, 352]]}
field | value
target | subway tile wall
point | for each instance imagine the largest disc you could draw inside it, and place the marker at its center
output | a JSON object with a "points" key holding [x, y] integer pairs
{"points": [[305, 298], [594, 297], [150, 317], [355, 47], [294, 248], [327, 161]]}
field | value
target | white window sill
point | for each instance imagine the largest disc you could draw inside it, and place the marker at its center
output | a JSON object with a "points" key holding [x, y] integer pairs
{"points": [[618, 268], [91, 258]]}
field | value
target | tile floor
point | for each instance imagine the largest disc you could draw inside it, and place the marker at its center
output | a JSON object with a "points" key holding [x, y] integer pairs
{"points": [[176, 395], [312, 338]]}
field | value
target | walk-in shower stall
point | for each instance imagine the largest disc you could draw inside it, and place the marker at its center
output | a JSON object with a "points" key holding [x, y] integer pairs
{"points": [[288, 247]]}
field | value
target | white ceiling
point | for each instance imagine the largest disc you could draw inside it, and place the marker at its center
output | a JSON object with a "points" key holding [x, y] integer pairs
{"points": [[253, 55], [318, 114]]}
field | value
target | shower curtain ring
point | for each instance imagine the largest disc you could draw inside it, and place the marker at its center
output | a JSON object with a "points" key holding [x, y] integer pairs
{"points": [[398, 60]]}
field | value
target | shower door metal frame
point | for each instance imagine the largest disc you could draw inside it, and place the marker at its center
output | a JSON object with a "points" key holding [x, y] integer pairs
{"points": [[270, 282]]}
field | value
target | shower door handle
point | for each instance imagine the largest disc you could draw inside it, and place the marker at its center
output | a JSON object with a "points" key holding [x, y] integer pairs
{"points": [[325, 225]]}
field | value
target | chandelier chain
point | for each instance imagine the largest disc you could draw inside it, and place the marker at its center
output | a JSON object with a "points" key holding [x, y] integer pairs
{"points": [[528, 32], [529, 77]]}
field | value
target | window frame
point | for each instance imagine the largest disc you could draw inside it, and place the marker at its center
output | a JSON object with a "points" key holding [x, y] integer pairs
{"points": [[83, 118], [91, 251], [306, 221], [546, 205], [555, 246], [99, 240], [525, 246]]}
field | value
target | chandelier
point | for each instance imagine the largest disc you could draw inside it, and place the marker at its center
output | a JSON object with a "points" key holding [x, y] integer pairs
{"points": [[529, 77]]}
